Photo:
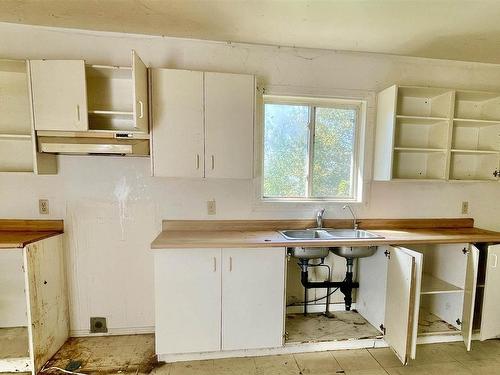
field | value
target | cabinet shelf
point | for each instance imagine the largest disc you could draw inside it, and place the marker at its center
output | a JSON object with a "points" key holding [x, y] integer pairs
{"points": [[423, 119], [15, 136], [111, 113], [419, 149], [486, 152], [433, 285]]}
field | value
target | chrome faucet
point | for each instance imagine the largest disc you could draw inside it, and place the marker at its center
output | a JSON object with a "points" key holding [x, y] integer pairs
{"points": [[354, 221], [319, 218]]}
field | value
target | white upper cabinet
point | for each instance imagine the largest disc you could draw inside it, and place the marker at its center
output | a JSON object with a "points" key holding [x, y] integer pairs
{"points": [[17, 141], [229, 118], [59, 95], [140, 85], [71, 96], [437, 134], [202, 124], [177, 108]]}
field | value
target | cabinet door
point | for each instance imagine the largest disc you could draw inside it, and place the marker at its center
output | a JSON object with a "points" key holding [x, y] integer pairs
{"points": [[253, 293], [469, 295], [140, 84], [229, 119], [59, 95], [415, 297], [399, 302], [490, 319], [188, 300], [177, 100]]}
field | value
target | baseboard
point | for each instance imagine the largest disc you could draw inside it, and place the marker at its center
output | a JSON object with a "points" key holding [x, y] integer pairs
{"points": [[113, 332], [292, 348], [297, 309]]}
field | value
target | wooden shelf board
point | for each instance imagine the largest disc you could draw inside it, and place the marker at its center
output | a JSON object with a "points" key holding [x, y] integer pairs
{"points": [[419, 149], [423, 118], [15, 136], [476, 122], [484, 152], [433, 285], [111, 113]]}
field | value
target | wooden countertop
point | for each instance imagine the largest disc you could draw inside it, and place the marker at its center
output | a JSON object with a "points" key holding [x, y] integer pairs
{"points": [[19, 233], [215, 234]]}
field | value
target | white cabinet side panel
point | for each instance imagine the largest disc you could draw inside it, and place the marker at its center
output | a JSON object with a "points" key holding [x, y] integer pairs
{"points": [[188, 300], [384, 134], [253, 288]]}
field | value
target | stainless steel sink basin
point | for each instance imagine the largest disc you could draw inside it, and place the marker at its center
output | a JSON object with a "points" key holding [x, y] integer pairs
{"points": [[306, 234], [351, 252], [352, 233], [327, 234], [308, 252]]}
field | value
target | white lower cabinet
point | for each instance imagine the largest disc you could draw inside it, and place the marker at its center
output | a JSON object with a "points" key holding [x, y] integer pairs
{"points": [[219, 299], [438, 283]]}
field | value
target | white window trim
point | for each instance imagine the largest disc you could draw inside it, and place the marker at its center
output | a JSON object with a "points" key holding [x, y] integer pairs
{"points": [[359, 149]]}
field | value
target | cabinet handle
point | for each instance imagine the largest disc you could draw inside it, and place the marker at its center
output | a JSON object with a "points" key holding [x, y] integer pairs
{"points": [[230, 264], [213, 162], [197, 161], [141, 106], [495, 263], [78, 112], [215, 264]]}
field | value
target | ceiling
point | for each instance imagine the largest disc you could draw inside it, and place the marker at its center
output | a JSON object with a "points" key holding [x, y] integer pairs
{"points": [[451, 29]]}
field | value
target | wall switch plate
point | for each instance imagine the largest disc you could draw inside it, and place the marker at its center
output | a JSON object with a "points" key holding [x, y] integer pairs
{"points": [[98, 325], [211, 207], [465, 208], [43, 206]]}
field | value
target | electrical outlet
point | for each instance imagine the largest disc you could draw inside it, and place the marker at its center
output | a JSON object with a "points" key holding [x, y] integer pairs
{"points": [[98, 325], [211, 207], [43, 206], [465, 208]]}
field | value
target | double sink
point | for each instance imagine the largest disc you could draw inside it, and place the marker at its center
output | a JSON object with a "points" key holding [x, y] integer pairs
{"points": [[313, 252]]}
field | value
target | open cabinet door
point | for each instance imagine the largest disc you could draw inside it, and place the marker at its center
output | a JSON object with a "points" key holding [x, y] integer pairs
{"points": [[415, 306], [140, 84], [490, 318], [469, 295], [399, 302]]}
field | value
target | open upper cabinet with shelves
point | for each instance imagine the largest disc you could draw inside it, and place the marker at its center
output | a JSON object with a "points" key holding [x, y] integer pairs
{"points": [[17, 144], [82, 98], [437, 134]]}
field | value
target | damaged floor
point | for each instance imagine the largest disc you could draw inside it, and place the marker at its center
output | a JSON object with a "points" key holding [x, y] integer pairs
{"points": [[343, 325], [134, 355], [430, 324]]}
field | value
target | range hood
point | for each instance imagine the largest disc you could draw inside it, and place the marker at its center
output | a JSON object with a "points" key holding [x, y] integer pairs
{"points": [[93, 145]]}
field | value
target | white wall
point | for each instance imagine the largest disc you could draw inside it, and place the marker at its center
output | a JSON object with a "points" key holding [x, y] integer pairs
{"points": [[112, 208]]}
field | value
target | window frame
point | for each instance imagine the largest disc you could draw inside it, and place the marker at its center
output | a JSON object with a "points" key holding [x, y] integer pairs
{"points": [[358, 151]]}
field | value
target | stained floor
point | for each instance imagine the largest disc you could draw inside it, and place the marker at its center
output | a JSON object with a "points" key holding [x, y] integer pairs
{"points": [[317, 327], [14, 342], [133, 354], [429, 324]]}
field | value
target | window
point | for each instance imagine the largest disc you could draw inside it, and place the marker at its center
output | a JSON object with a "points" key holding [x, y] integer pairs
{"points": [[311, 149]]}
